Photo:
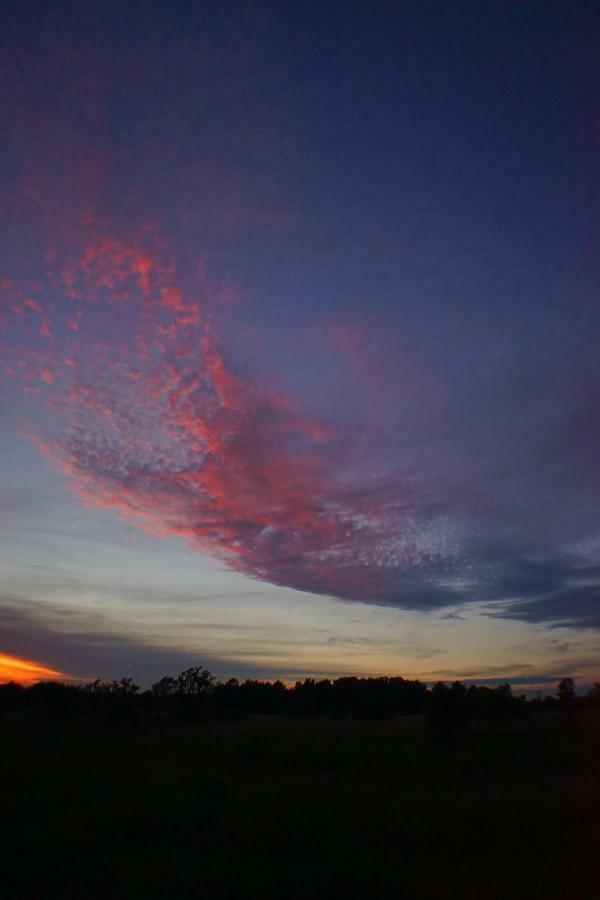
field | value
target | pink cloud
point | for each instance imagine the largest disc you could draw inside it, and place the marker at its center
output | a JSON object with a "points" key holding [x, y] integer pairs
{"points": [[151, 420]]}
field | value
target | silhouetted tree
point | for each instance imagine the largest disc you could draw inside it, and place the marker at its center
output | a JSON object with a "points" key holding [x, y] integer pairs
{"points": [[124, 686], [195, 693], [446, 708], [195, 681], [187, 695], [11, 696], [165, 687], [312, 698], [482, 703], [566, 695], [116, 702], [593, 695], [227, 699]]}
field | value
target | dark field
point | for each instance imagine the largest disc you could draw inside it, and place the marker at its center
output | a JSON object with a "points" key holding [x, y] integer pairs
{"points": [[300, 809]]}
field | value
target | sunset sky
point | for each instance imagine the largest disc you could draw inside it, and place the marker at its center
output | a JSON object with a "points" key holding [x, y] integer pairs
{"points": [[299, 330]]}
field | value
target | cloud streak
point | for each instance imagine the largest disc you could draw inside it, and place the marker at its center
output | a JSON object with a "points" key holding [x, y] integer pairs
{"points": [[25, 671], [140, 403], [148, 418]]}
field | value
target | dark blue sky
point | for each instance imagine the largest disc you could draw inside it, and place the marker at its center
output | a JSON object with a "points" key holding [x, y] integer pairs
{"points": [[314, 288]]}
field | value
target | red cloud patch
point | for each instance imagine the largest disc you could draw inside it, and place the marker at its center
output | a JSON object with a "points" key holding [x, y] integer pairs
{"points": [[152, 421]]}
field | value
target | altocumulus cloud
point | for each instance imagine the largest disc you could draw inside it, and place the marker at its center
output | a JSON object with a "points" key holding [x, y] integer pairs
{"points": [[139, 403]]}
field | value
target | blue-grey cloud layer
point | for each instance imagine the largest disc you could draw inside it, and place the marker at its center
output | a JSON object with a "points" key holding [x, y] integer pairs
{"points": [[324, 309]]}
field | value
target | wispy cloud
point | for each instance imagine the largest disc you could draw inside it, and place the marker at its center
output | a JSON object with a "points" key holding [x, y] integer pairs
{"points": [[84, 644], [26, 671]]}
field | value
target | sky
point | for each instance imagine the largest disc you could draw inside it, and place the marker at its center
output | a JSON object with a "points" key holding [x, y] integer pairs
{"points": [[299, 326]]}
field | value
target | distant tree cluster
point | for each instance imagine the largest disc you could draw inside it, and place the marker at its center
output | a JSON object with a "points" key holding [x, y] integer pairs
{"points": [[451, 707], [197, 694]]}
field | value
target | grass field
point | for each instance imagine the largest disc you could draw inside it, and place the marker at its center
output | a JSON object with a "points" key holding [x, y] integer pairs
{"points": [[303, 809]]}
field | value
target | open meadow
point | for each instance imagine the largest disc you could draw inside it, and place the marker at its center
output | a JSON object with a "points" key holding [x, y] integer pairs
{"points": [[300, 808]]}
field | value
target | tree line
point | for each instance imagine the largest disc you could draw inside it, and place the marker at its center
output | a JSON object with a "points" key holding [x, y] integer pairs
{"points": [[197, 694]]}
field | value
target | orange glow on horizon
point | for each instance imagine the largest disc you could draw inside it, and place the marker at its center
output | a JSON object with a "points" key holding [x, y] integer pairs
{"points": [[24, 671]]}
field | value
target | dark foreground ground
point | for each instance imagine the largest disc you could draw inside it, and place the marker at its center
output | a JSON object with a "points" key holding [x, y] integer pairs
{"points": [[302, 809]]}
